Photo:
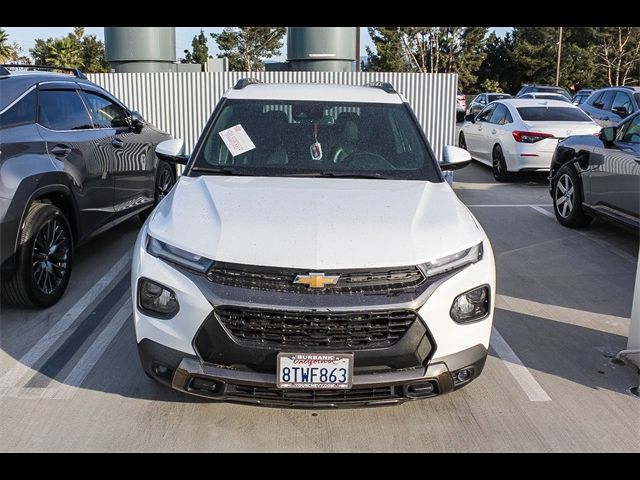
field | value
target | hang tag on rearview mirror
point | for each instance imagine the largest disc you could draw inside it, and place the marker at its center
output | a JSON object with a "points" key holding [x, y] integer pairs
{"points": [[316, 151]]}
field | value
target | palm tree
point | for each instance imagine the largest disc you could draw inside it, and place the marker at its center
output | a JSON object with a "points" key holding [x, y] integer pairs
{"points": [[65, 52], [6, 50]]}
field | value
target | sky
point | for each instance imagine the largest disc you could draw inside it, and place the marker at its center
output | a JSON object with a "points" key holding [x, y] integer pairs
{"points": [[25, 37]]}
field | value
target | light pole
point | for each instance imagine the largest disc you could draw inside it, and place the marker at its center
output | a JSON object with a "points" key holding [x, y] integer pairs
{"points": [[558, 64]]}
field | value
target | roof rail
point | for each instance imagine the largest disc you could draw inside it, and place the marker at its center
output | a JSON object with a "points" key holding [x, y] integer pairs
{"points": [[76, 72], [386, 86], [243, 82]]}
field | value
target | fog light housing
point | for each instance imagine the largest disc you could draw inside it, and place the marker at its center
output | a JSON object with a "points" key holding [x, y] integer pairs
{"points": [[471, 306], [156, 300]]}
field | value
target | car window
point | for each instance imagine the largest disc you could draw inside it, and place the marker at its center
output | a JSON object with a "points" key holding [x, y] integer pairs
{"points": [[595, 99], [22, 112], [632, 133], [105, 113], [604, 102], [622, 100], [553, 114], [637, 96], [310, 137], [485, 114], [498, 114], [62, 110], [480, 99]]}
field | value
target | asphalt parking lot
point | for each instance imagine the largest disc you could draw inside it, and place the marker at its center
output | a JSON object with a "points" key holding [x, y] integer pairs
{"points": [[70, 378]]}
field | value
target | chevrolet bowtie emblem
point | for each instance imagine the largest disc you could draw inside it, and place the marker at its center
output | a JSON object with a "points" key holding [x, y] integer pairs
{"points": [[316, 280]]}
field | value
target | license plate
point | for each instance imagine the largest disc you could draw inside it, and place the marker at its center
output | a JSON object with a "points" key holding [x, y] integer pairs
{"points": [[314, 370]]}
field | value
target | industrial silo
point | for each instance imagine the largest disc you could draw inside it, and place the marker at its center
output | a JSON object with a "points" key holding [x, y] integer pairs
{"points": [[141, 49], [325, 49]]}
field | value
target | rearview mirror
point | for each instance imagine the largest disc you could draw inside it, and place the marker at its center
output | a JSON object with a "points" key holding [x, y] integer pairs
{"points": [[608, 135], [454, 158], [136, 121], [620, 110], [470, 118], [172, 151]]}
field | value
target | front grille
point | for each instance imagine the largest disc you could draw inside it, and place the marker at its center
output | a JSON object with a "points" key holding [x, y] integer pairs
{"points": [[334, 330], [318, 397], [275, 279]]}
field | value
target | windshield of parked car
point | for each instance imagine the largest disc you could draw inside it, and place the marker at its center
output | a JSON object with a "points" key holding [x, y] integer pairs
{"points": [[497, 96], [560, 91], [552, 114], [309, 138]]}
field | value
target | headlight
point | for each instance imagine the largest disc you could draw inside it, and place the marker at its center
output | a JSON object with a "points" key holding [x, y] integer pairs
{"points": [[156, 300], [471, 306], [177, 255], [457, 260]]}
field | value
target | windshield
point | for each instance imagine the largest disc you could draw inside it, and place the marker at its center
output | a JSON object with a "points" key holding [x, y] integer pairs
{"points": [[553, 114], [497, 96], [307, 138], [558, 90]]}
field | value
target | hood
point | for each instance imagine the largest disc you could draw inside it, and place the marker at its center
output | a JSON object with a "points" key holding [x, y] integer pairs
{"points": [[314, 223]]}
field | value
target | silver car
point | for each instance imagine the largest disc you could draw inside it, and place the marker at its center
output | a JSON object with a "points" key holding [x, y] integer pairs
{"points": [[483, 99]]}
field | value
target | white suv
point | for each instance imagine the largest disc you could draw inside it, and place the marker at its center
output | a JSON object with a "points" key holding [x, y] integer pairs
{"points": [[312, 255]]}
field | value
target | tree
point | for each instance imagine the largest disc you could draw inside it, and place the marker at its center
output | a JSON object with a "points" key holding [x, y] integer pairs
{"points": [[200, 50], [619, 54], [428, 50], [499, 64], [490, 86], [535, 51], [8, 52], [75, 50], [388, 56], [245, 47]]}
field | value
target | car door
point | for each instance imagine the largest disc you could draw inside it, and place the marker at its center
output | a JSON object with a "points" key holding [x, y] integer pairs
{"points": [[474, 134], [489, 132], [132, 162], [499, 126], [78, 149], [615, 175], [602, 109]]}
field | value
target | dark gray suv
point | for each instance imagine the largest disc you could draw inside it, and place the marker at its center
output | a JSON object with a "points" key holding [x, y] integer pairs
{"points": [[74, 161], [609, 106]]}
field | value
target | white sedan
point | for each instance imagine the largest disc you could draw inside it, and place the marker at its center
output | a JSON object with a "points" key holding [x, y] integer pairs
{"points": [[515, 135]]}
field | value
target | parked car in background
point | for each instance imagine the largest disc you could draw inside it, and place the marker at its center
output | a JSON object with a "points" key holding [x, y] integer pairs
{"points": [[598, 175], [582, 95], [546, 96], [609, 106], [517, 135], [483, 99], [461, 106], [280, 288], [75, 161], [544, 88]]}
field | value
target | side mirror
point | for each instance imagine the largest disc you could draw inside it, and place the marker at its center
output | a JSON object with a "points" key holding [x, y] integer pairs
{"points": [[172, 151], [454, 158], [608, 135], [470, 118], [136, 121], [622, 111]]}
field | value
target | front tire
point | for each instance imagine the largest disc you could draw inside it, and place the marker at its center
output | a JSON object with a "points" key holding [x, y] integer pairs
{"points": [[499, 165], [567, 199], [44, 258], [165, 180]]}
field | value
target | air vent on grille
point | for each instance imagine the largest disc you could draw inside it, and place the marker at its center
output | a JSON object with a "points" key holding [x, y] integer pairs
{"points": [[316, 329]]}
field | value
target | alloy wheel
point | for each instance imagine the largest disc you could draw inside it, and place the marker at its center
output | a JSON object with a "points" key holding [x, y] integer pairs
{"points": [[564, 196], [50, 257]]}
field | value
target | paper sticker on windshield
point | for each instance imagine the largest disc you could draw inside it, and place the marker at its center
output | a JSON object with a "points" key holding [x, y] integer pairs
{"points": [[237, 140]]}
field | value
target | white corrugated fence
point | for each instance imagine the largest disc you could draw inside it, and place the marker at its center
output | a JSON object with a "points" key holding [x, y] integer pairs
{"points": [[180, 103]]}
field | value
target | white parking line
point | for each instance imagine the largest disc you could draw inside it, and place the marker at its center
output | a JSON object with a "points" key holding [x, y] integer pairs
{"points": [[95, 351], [609, 246], [25, 364], [531, 387]]}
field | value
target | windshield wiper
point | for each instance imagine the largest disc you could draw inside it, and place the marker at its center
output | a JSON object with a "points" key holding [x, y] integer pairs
{"points": [[337, 175], [220, 171]]}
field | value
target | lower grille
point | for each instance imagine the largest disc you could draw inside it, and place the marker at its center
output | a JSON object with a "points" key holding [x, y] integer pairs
{"points": [[318, 397], [350, 330]]}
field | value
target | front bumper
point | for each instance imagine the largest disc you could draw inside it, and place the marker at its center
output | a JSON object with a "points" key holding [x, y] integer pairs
{"points": [[188, 374]]}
